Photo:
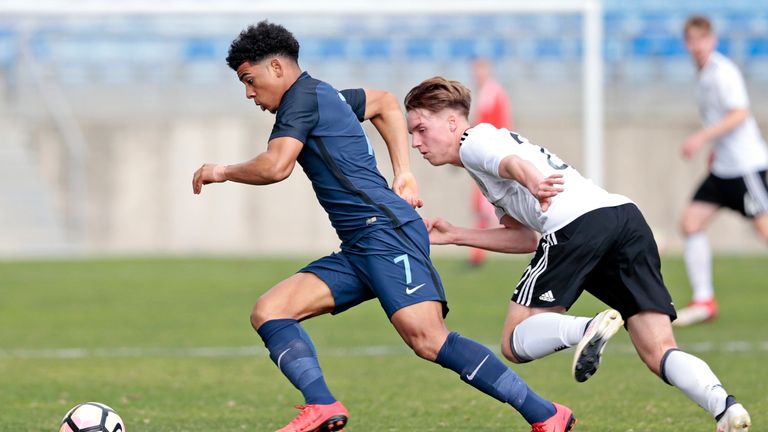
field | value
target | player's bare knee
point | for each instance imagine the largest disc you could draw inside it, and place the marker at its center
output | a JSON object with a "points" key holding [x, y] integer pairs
{"points": [[424, 346], [261, 313], [427, 350], [689, 227], [257, 318]]}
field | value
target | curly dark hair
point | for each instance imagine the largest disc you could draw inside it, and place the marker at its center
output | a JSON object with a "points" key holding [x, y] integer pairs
{"points": [[260, 41]]}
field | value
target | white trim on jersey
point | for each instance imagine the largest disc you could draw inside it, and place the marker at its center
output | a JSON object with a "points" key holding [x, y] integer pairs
{"points": [[756, 190]]}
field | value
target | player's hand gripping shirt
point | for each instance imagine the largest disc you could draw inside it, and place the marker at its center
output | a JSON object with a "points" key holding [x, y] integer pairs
{"points": [[721, 89], [483, 147]]}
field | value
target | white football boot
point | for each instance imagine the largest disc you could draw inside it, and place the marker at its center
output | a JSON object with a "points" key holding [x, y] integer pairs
{"points": [[735, 419], [589, 351]]}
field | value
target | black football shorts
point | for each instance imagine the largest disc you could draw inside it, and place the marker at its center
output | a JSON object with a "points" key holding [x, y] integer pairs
{"points": [[609, 252]]}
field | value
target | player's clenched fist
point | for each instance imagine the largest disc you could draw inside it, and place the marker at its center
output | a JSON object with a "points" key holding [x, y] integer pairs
{"points": [[439, 230]]}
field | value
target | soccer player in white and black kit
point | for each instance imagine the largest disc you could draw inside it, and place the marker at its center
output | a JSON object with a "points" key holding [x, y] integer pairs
{"points": [[590, 240], [737, 177]]}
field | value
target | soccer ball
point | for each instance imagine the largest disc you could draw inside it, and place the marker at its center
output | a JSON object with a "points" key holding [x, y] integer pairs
{"points": [[92, 417]]}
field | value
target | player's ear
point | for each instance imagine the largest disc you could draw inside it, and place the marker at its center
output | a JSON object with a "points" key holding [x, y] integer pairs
{"points": [[276, 67], [452, 122]]}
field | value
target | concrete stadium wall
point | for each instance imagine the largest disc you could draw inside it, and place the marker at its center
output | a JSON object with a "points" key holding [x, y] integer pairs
{"points": [[140, 165]]}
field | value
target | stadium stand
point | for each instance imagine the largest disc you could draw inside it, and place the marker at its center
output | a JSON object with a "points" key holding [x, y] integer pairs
{"points": [[172, 74], [639, 31]]}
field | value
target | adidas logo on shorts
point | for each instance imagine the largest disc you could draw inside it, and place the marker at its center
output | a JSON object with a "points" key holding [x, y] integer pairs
{"points": [[547, 297]]}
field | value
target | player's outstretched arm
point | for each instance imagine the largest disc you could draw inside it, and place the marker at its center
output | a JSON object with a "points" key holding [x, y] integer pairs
{"points": [[383, 110], [734, 118], [271, 166], [511, 237], [543, 188]]}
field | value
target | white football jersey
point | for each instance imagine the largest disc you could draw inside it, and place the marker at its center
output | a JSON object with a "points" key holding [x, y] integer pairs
{"points": [[720, 89], [483, 147]]}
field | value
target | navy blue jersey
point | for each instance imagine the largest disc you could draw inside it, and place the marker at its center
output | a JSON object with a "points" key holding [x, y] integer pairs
{"points": [[338, 158]]}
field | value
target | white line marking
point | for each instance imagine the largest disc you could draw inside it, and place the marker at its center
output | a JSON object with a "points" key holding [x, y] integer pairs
{"points": [[359, 351]]}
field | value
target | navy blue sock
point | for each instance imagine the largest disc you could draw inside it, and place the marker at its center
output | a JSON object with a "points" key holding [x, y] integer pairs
{"points": [[294, 354], [479, 367]]}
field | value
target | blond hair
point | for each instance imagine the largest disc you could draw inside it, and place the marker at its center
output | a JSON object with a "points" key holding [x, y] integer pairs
{"points": [[437, 94], [697, 22]]}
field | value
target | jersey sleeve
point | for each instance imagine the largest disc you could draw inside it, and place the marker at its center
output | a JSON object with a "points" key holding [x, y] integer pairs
{"points": [[356, 99], [733, 91], [296, 116], [486, 148]]}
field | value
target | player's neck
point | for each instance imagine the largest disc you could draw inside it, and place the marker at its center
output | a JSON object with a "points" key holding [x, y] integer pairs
{"points": [[463, 128], [292, 75], [702, 64]]}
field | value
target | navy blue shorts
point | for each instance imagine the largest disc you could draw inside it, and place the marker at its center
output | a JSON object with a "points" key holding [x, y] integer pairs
{"points": [[392, 265]]}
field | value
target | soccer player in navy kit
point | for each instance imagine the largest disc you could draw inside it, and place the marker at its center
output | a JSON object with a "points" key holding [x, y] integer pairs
{"points": [[591, 240], [384, 243]]}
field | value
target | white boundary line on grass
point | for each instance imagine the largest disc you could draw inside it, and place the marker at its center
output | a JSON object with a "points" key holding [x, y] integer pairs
{"points": [[362, 351]]}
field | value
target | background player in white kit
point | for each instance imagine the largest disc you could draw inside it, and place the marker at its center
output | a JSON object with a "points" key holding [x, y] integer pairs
{"points": [[737, 171], [591, 240]]}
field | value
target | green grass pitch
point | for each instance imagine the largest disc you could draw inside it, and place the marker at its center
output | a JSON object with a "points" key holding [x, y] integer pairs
{"points": [[167, 343]]}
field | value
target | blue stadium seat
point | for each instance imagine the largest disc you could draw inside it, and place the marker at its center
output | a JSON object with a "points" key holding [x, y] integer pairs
{"points": [[614, 21], [9, 48], [376, 48], [757, 47], [549, 48], [40, 47], [462, 48], [737, 22], [333, 48], [500, 48], [200, 49], [657, 22], [665, 46], [420, 49], [724, 45], [638, 31], [484, 24]]}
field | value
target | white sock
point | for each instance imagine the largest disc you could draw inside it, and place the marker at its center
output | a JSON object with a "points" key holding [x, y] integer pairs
{"points": [[698, 262], [694, 378], [545, 333]]}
